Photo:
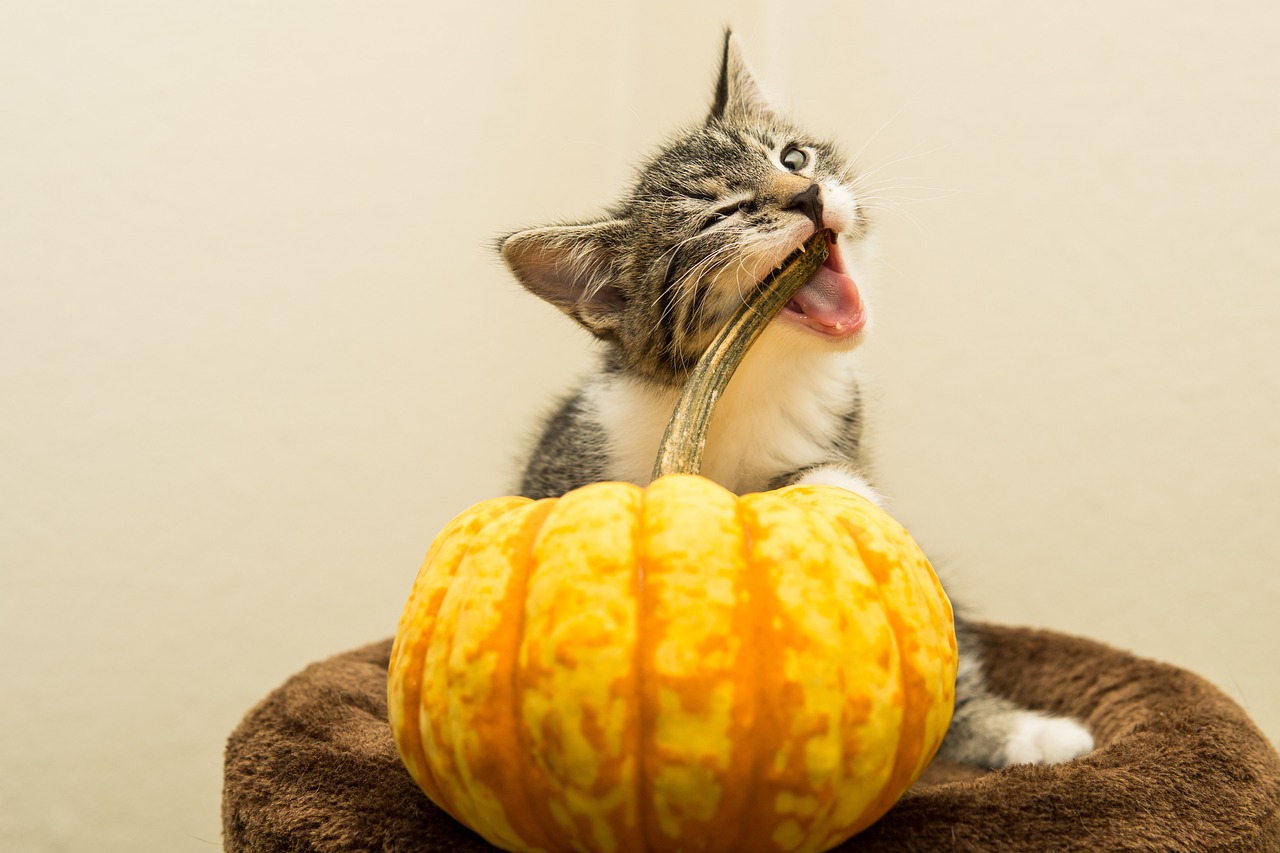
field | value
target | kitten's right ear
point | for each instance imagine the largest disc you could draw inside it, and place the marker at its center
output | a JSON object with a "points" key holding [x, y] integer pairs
{"points": [[738, 95], [572, 267]]}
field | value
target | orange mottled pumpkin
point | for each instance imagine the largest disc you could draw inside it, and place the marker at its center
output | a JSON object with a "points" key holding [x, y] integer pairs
{"points": [[672, 668]]}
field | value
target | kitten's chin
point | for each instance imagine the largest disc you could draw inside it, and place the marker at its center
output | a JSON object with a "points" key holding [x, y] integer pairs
{"points": [[801, 333], [845, 331]]}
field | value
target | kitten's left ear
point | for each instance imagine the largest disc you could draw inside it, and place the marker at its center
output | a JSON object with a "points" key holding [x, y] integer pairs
{"points": [[572, 267], [738, 95]]}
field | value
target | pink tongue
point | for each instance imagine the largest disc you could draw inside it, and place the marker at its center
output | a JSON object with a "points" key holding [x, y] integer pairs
{"points": [[830, 299]]}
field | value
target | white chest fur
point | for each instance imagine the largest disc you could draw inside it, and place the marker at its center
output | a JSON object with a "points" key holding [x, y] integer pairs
{"points": [[781, 412]]}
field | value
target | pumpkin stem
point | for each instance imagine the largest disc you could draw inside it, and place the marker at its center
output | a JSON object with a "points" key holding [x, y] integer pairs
{"points": [[686, 435]]}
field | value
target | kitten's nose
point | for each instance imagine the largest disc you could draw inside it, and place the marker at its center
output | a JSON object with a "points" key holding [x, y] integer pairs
{"points": [[808, 202]]}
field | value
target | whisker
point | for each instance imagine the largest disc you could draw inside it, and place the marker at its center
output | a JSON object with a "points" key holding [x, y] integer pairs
{"points": [[867, 173], [880, 130]]}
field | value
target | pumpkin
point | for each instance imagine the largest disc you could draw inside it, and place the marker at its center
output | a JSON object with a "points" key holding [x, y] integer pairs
{"points": [[674, 667]]}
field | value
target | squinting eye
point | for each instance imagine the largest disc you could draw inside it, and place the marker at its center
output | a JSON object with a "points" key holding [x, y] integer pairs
{"points": [[794, 159], [723, 212], [713, 219]]}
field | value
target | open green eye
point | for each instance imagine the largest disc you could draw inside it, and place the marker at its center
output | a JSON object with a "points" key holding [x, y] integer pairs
{"points": [[793, 159]]}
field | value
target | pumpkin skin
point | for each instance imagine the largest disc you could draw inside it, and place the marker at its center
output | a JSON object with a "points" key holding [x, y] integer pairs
{"points": [[672, 668]]}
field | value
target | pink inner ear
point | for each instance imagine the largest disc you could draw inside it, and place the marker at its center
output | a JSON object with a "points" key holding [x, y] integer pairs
{"points": [[567, 266]]}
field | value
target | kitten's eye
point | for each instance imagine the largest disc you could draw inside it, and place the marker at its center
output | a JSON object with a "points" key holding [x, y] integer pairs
{"points": [[794, 159], [713, 219], [720, 214]]}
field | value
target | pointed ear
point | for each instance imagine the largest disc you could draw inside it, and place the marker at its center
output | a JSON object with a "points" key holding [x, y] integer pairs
{"points": [[738, 95], [573, 268]]}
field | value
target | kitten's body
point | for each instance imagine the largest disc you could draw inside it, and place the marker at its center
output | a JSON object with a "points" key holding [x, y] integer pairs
{"points": [[775, 419], [710, 215]]}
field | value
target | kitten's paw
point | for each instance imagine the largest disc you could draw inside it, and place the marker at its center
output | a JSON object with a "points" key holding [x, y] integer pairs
{"points": [[1039, 739], [839, 475]]}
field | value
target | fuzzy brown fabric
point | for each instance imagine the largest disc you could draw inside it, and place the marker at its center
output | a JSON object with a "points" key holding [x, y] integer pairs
{"points": [[1179, 767]]}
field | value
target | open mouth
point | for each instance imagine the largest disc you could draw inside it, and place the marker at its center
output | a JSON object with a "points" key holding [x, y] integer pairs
{"points": [[828, 303]]}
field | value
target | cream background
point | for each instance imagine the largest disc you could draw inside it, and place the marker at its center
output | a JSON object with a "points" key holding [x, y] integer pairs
{"points": [[255, 350]]}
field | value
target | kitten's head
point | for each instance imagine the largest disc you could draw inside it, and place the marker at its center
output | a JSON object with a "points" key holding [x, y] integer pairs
{"points": [[709, 216]]}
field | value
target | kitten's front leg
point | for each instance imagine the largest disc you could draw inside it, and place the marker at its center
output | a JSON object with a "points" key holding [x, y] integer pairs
{"points": [[836, 474], [992, 731]]}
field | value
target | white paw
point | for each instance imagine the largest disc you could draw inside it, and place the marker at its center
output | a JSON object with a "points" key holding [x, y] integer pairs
{"points": [[836, 475], [1037, 739]]}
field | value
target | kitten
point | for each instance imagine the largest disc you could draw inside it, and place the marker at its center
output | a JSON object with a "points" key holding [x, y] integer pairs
{"points": [[710, 215]]}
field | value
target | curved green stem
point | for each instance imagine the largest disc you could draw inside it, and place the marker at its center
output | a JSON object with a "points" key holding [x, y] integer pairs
{"points": [[686, 435]]}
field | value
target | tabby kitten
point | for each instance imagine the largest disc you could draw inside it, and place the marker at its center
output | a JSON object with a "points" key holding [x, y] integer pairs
{"points": [[709, 216]]}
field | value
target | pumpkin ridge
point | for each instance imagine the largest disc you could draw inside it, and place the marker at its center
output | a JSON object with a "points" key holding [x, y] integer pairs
{"points": [[760, 818], [469, 526], [750, 665], [462, 795], [905, 759], [686, 741], [574, 670], [432, 780], [643, 708], [479, 691], [532, 816], [407, 695], [888, 794], [437, 748]]}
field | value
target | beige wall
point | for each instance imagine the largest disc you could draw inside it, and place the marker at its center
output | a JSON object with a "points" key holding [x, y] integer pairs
{"points": [[254, 349]]}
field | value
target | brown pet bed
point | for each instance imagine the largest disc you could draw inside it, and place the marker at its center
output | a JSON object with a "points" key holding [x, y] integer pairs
{"points": [[1178, 767]]}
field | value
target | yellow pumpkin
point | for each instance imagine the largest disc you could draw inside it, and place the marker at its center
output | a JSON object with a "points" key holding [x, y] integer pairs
{"points": [[672, 668]]}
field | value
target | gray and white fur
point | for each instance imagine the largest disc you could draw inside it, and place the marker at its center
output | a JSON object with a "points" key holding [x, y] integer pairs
{"points": [[709, 215]]}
